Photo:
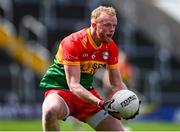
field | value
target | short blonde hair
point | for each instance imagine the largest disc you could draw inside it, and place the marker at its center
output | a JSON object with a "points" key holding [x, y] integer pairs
{"points": [[97, 12]]}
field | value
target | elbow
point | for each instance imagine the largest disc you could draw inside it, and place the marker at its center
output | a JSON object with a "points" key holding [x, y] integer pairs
{"points": [[73, 87]]}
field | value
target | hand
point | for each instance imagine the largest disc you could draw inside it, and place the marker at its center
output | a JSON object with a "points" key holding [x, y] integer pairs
{"points": [[106, 105], [137, 113]]}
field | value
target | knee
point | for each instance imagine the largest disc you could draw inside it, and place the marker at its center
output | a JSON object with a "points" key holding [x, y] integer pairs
{"points": [[107, 125], [53, 110], [49, 114]]}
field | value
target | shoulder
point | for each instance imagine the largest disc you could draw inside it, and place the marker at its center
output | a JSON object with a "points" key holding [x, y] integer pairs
{"points": [[112, 45], [75, 37]]}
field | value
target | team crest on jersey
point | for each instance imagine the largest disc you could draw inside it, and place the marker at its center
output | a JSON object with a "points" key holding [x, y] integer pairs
{"points": [[93, 56], [105, 55]]}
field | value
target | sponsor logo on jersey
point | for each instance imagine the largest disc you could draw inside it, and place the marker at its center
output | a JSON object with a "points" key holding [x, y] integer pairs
{"points": [[85, 55], [91, 67]]}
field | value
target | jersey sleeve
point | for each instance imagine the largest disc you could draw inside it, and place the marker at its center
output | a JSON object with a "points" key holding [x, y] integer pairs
{"points": [[113, 56], [68, 53]]}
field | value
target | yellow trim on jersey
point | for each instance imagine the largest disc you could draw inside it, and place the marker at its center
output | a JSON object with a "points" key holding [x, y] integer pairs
{"points": [[84, 43], [75, 63], [91, 40], [115, 66], [59, 55], [93, 61]]}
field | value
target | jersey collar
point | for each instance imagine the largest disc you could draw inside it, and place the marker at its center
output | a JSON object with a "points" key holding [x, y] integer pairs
{"points": [[91, 40]]}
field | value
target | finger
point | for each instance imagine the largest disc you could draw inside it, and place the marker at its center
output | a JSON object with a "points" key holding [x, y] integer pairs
{"points": [[109, 106], [113, 112], [112, 101]]}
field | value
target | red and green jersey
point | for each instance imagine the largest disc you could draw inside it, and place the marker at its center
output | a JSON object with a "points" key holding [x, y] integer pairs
{"points": [[80, 49]]}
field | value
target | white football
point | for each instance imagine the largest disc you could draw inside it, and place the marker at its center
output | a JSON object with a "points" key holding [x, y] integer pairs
{"points": [[126, 103]]}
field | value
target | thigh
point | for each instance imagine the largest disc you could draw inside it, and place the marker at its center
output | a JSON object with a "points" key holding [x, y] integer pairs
{"points": [[109, 124], [54, 102]]}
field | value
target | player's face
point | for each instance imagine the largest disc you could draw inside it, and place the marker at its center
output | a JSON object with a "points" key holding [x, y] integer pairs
{"points": [[105, 27]]}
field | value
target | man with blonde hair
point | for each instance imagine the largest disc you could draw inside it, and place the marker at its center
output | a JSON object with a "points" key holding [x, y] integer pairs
{"points": [[68, 82]]}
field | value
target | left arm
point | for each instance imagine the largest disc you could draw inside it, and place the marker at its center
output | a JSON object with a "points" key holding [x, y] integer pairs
{"points": [[116, 80], [113, 80], [116, 84]]}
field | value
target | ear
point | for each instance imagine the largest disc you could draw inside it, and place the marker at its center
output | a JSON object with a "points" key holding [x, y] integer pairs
{"points": [[93, 25]]}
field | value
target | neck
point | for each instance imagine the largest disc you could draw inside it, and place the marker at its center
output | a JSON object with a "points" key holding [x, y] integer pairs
{"points": [[95, 37]]}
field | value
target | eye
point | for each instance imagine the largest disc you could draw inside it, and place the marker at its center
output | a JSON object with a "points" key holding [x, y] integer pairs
{"points": [[114, 25], [110, 25], [107, 25]]}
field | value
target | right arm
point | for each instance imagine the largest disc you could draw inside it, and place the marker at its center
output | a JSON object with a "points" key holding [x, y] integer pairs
{"points": [[73, 81], [70, 54]]}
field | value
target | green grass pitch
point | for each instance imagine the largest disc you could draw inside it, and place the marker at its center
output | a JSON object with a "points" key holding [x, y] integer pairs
{"points": [[35, 125]]}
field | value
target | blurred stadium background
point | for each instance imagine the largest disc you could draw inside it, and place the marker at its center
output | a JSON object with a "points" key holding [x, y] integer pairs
{"points": [[148, 32]]}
